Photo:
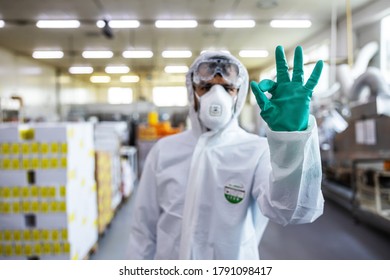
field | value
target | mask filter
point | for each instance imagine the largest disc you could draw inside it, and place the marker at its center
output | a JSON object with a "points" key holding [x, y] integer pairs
{"points": [[216, 108]]}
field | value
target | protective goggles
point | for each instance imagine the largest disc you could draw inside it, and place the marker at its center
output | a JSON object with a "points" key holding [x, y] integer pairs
{"points": [[206, 70]]}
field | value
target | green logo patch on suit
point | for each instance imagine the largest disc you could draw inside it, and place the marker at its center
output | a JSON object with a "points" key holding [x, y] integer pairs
{"points": [[234, 193]]}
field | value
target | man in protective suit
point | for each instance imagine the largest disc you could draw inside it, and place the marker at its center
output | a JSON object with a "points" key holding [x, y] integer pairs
{"points": [[208, 192]]}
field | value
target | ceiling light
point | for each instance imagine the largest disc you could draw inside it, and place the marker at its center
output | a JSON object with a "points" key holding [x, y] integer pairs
{"points": [[253, 53], [47, 54], [137, 54], [58, 24], [215, 50], [80, 70], [176, 69], [234, 23], [100, 79], [118, 23], [290, 23], [176, 23], [129, 79], [2, 23], [176, 54], [97, 54], [117, 69]]}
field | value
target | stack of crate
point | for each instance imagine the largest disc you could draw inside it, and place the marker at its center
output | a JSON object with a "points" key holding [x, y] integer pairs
{"points": [[104, 189], [48, 204]]}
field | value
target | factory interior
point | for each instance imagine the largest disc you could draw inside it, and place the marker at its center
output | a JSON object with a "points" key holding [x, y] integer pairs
{"points": [[82, 105]]}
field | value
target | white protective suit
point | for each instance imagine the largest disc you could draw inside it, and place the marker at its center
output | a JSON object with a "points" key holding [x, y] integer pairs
{"points": [[209, 195]]}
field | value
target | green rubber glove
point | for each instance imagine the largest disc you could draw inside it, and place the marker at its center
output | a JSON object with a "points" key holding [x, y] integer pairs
{"points": [[289, 107]]}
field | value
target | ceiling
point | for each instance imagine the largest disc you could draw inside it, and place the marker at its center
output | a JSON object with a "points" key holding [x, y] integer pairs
{"points": [[22, 36]]}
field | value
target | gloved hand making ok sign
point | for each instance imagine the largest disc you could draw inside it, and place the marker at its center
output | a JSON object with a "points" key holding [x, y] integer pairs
{"points": [[288, 108]]}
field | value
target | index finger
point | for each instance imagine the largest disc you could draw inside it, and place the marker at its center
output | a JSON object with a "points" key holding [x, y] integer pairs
{"points": [[281, 66], [315, 75]]}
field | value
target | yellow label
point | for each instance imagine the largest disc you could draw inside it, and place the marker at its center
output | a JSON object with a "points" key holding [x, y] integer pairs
{"points": [[47, 248], [26, 235], [35, 163], [1, 236], [45, 234], [6, 192], [18, 249], [35, 206], [28, 249], [27, 134], [36, 235], [15, 163], [66, 247], [54, 148], [8, 250], [44, 148], [64, 234], [6, 163], [62, 206], [44, 191], [52, 191], [38, 249], [26, 205], [7, 235], [44, 207], [64, 162], [64, 148], [16, 192], [1, 249], [6, 208], [25, 191], [55, 235], [53, 206], [15, 148], [16, 207], [54, 163], [62, 191], [17, 235], [5, 148], [57, 248], [35, 147], [25, 148], [34, 191], [45, 163]]}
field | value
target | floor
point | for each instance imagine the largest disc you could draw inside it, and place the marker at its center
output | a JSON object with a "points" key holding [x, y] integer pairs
{"points": [[334, 236]]}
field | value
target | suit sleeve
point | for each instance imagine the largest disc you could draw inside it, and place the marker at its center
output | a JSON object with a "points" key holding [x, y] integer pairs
{"points": [[145, 212], [287, 183]]}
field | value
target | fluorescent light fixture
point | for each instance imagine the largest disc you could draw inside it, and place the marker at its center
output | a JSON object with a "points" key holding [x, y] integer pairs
{"points": [[137, 54], [290, 23], [58, 24], [80, 70], [97, 54], [129, 79], [117, 69], [234, 23], [2, 23], [100, 79], [176, 69], [253, 53], [47, 54], [176, 23], [213, 50], [119, 23], [176, 54]]}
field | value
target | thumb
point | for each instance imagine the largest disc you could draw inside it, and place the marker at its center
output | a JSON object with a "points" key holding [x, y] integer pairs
{"points": [[261, 99]]}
